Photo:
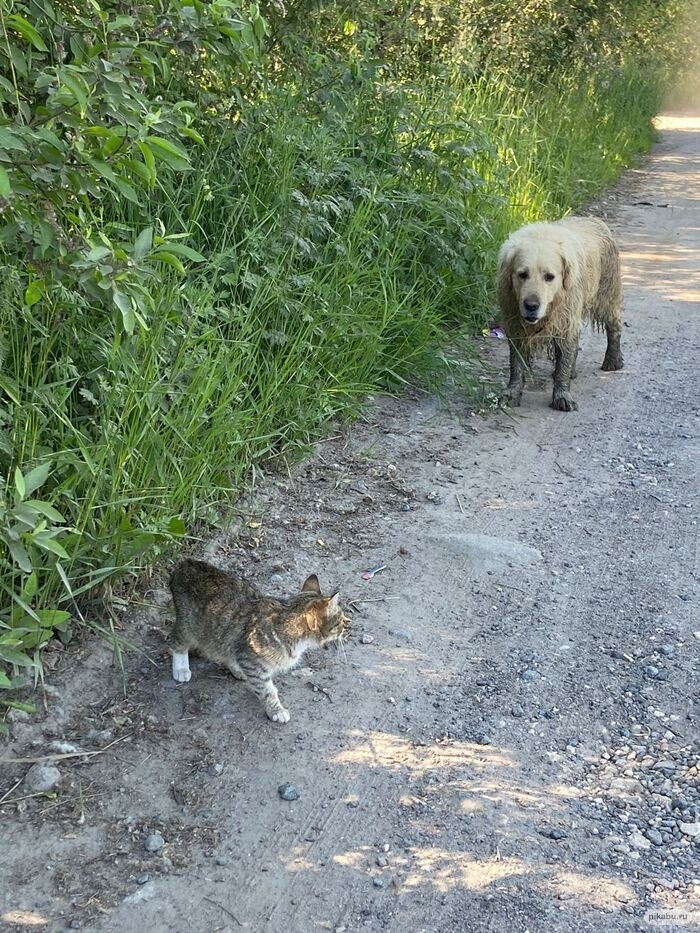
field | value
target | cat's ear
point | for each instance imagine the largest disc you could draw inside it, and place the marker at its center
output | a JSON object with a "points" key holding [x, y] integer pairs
{"points": [[311, 585], [333, 604]]}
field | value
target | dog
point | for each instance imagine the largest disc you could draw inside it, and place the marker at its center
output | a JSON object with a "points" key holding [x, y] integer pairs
{"points": [[553, 277]]}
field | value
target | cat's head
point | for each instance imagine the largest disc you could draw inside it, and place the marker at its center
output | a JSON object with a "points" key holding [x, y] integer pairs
{"points": [[326, 618]]}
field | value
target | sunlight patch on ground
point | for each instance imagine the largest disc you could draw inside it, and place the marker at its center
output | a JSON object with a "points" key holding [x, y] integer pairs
{"points": [[384, 750], [25, 918], [689, 122]]}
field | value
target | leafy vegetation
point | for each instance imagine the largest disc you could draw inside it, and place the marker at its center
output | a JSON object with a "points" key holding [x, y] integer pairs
{"points": [[223, 228]]}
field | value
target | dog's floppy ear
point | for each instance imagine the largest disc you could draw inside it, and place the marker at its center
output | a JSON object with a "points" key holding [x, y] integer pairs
{"points": [[506, 262], [566, 273]]}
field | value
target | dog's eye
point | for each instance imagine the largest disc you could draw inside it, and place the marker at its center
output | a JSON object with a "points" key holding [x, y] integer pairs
{"points": [[522, 275], [549, 276]]}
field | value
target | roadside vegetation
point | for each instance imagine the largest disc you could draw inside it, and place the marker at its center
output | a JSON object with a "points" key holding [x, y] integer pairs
{"points": [[223, 226]]}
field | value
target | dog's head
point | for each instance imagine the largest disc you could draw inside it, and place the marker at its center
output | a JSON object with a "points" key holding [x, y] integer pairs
{"points": [[536, 273]]}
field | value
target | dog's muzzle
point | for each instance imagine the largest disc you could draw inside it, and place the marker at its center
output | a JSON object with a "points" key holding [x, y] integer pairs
{"points": [[531, 307]]}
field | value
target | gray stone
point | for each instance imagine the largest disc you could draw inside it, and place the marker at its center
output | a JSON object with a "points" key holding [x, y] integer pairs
{"points": [[528, 675], [653, 835], [216, 769], [221, 860], [42, 779], [517, 711], [144, 893], [154, 842], [288, 792], [651, 671], [143, 878], [690, 829], [639, 842], [378, 882]]}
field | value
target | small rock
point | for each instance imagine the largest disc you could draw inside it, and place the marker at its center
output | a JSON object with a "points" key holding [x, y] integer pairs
{"points": [[690, 829], [277, 579], [667, 650], [42, 779], [221, 860], [639, 842], [366, 639], [517, 711], [378, 882], [17, 715], [552, 832], [143, 878], [381, 861], [653, 835], [288, 792], [482, 739], [143, 893], [63, 748], [400, 633], [154, 842], [216, 769], [528, 675], [651, 671]]}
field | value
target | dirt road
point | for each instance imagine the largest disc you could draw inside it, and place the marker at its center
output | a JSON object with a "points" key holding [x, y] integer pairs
{"points": [[509, 741]]}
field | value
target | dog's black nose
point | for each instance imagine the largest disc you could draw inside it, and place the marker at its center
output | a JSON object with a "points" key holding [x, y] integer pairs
{"points": [[531, 304]]}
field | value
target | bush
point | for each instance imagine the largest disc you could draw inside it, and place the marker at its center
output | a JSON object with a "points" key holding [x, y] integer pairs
{"points": [[223, 230]]}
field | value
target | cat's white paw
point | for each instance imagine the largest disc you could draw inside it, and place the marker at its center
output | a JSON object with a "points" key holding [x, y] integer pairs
{"points": [[181, 667], [279, 714]]}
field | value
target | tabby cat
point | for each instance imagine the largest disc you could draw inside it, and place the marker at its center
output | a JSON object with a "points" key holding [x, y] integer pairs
{"points": [[228, 620]]}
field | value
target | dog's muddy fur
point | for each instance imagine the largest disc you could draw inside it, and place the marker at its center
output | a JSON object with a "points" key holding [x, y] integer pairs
{"points": [[552, 278]]}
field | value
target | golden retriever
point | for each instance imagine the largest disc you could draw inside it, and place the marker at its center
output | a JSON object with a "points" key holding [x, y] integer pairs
{"points": [[553, 277]]}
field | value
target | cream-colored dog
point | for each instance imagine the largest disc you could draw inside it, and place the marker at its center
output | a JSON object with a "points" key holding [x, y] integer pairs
{"points": [[553, 277]]}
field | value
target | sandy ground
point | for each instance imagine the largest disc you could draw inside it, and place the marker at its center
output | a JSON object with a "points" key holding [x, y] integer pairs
{"points": [[509, 741]]}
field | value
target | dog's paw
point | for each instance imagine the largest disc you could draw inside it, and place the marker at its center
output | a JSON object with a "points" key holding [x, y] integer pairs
{"points": [[278, 714], [612, 362], [181, 667], [182, 675], [564, 401]]}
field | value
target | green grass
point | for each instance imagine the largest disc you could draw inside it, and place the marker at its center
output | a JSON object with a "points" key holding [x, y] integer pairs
{"points": [[347, 242]]}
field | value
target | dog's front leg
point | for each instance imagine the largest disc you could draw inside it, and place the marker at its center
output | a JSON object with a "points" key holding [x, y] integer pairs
{"points": [[519, 367], [565, 353]]}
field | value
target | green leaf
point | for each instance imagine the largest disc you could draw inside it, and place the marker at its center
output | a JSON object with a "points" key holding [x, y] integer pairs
{"points": [[4, 183], [27, 31], [34, 292], [20, 484], [126, 189], [168, 152], [8, 140], [169, 259], [5, 680], [37, 477], [149, 161], [10, 388], [48, 544], [78, 87], [193, 134], [31, 585], [181, 250], [53, 618], [48, 510], [144, 242], [20, 556], [176, 527]]}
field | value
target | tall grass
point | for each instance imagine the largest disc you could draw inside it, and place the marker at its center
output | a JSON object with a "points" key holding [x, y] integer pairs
{"points": [[347, 239]]}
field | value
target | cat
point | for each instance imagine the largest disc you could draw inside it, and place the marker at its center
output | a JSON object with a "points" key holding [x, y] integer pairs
{"points": [[228, 620]]}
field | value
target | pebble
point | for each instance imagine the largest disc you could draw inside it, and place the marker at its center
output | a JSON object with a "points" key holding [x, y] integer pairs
{"points": [[378, 882], [381, 861], [552, 833], [42, 779], [639, 842], [651, 671], [482, 739], [288, 792], [517, 711], [529, 675], [154, 842], [653, 835], [366, 639], [216, 769], [690, 829], [221, 860], [143, 878]]}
